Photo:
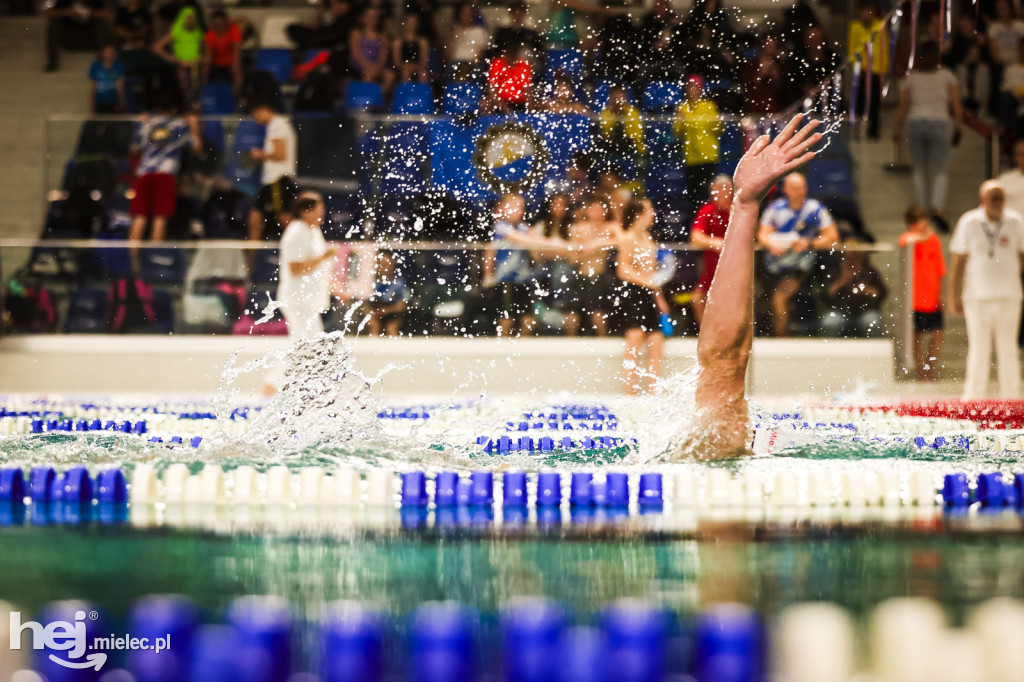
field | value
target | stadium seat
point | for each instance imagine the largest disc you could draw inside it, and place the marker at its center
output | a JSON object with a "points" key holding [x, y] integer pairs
{"points": [[213, 134], [666, 179], [217, 99], [413, 98], [568, 63], [162, 266], [265, 266], [238, 168], [599, 97], [87, 312], [461, 98], [661, 97], [830, 178], [276, 61], [363, 96]]}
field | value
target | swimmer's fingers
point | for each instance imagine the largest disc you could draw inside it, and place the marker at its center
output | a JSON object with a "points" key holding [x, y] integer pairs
{"points": [[796, 163], [801, 136], [759, 145], [804, 146], [783, 137]]}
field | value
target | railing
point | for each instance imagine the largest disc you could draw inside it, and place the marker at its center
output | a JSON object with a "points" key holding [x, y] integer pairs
{"points": [[223, 287]]}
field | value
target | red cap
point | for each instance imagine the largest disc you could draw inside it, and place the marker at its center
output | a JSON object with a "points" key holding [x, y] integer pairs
{"points": [[695, 79]]}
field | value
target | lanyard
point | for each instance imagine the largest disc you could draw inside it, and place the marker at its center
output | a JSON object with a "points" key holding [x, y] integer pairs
{"points": [[992, 237]]}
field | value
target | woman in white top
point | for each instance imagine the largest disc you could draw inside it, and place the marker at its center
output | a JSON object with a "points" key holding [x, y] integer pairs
{"points": [[930, 107], [468, 40], [304, 289]]}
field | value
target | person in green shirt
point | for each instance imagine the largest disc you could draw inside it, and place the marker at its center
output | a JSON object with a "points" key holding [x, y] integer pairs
{"points": [[698, 125], [183, 47]]}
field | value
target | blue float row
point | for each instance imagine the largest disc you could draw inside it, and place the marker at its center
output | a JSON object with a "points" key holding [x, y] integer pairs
{"points": [[45, 486], [555, 425], [84, 425], [991, 491], [535, 640], [506, 445], [451, 490]]}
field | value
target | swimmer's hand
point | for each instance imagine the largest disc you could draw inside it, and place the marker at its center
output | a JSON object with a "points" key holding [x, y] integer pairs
{"points": [[767, 160]]}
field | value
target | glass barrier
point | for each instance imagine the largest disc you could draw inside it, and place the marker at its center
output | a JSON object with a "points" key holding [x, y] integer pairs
{"points": [[416, 289]]}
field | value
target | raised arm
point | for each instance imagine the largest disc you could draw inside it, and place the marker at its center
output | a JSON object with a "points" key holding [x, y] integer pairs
{"points": [[727, 331]]}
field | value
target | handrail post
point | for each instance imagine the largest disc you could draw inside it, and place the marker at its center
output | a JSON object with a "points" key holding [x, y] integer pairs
{"points": [[993, 154], [904, 339]]}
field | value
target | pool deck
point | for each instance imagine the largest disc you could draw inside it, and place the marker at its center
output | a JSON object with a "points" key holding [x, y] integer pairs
{"points": [[193, 364]]}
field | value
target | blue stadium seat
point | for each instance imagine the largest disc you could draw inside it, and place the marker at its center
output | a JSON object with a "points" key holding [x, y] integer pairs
{"points": [[87, 312], [599, 97], [461, 98], [666, 179], [343, 216], [830, 178], [662, 97], [363, 96], [237, 168], [213, 133], [413, 98], [265, 266], [568, 63], [276, 61], [162, 266], [217, 99]]}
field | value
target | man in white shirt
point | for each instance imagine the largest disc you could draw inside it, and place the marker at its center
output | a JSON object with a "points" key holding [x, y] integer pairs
{"points": [[1013, 180], [988, 247], [270, 214]]}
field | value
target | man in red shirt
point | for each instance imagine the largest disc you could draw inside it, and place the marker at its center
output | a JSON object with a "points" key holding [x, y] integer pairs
{"points": [[223, 51], [929, 269], [510, 77], [708, 233]]}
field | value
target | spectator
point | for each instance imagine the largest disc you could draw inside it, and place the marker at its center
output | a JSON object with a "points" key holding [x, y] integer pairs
{"points": [[929, 269], [409, 52], [368, 50], [76, 25], [1004, 35], [987, 247], [1012, 94], [389, 301], [304, 288], [557, 272], [182, 47], [961, 40], [637, 302], [510, 78], [577, 182], [428, 12], [161, 140], [517, 37], [792, 228], [763, 79], [330, 32], [698, 126], [134, 25], [621, 127], [708, 17], [1013, 180], [928, 96], [563, 99], [660, 20], [855, 297], [468, 40], [816, 63], [590, 279], [974, 76], [270, 215], [708, 233], [223, 60], [107, 88], [508, 271], [866, 30]]}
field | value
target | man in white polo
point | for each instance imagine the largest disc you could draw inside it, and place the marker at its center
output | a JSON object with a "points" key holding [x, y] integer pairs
{"points": [[988, 246]]}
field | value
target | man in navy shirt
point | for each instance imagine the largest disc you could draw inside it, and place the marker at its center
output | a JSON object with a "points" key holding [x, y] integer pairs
{"points": [[792, 229]]}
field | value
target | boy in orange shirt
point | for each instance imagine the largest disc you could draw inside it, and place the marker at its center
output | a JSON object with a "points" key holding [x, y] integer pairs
{"points": [[929, 269]]}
